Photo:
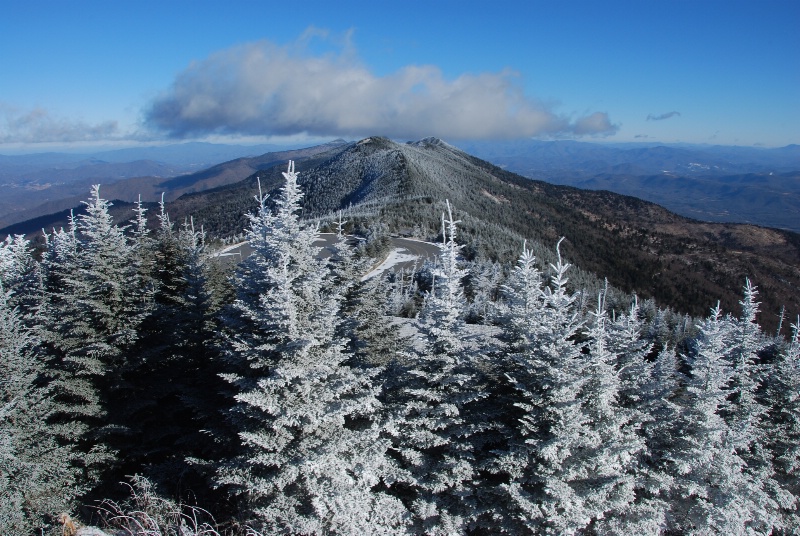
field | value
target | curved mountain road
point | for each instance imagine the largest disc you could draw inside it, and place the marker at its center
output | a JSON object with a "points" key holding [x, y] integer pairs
{"points": [[405, 252], [417, 248]]}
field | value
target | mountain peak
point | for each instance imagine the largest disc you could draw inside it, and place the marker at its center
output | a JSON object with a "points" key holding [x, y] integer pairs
{"points": [[430, 141]]}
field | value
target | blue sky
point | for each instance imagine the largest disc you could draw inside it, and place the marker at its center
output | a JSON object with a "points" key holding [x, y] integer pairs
{"points": [[81, 73]]}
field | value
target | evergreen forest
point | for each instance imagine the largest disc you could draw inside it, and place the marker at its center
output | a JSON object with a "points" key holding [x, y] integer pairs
{"points": [[149, 387]]}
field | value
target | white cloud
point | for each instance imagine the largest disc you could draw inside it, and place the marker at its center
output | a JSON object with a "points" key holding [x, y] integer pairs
{"points": [[40, 126], [263, 89], [593, 124]]}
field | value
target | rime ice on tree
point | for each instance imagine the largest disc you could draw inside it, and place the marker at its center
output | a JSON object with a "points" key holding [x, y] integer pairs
{"points": [[311, 454]]}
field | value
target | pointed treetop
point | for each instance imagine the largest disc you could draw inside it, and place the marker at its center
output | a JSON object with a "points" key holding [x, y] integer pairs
{"points": [[794, 345], [600, 315], [290, 170], [140, 222], [749, 303], [291, 194], [558, 279], [526, 258], [163, 217], [451, 224]]}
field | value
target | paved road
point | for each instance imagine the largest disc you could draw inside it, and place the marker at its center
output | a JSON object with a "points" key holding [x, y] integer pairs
{"points": [[415, 248], [409, 251]]}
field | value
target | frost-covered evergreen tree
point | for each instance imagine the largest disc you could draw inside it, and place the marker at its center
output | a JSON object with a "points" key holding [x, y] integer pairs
{"points": [[484, 288], [372, 339], [441, 321], [441, 383], [402, 299], [549, 461], [748, 412], [518, 312], [311, 457], [631, 350], [193, 347], [783, 439], [744, 415], [658, 403], [523, 299], [712, 490], [20, 274], [92, 308], [37, 475], [374, 336], [170, 393], [615, 456]]}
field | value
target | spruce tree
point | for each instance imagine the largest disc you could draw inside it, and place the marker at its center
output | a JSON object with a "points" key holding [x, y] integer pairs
{"points": [[547, 460], [631, 350], [21, 275], [613, 476], [658, 396], [484, 287], [712, 490], [170, 392], [374, 338], [744, 416], [311, 459], [93, 306], [783, 438], [748, 411], [38, 476], [441, 385]]}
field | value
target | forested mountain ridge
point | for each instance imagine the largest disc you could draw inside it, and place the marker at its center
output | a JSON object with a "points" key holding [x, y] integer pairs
{"points": [[639, 246]]}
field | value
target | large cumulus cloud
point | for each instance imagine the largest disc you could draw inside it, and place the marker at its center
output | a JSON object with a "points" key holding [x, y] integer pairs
{"points": [[264, 89]]}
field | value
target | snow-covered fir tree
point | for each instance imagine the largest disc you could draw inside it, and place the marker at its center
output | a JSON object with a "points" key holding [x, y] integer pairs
{"points": [[92, 308], [402, 296], [371, 338], [783, 436], [170, 392], [712, 490], [484, 281], [744, 415], [374, 337], [747, 413], [439, 386], [311, 456], [547, 458], [20, 274], [523, 296], [631, 351], [38, 476], [618, 448], [661, 411]]}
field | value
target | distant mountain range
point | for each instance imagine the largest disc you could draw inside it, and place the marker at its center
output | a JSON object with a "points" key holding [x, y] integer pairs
{"points": [[401, 187], [638, 158], [190, 155], [713, 183], [37, 185], [707, 182]]}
